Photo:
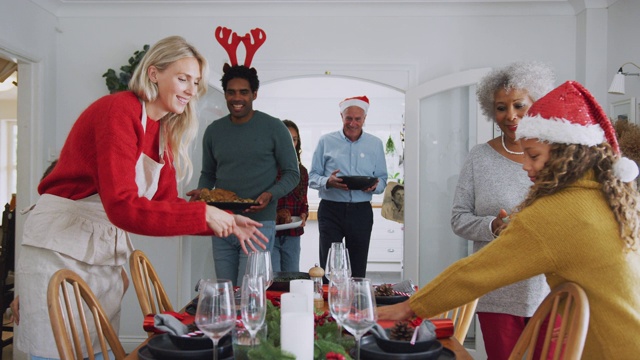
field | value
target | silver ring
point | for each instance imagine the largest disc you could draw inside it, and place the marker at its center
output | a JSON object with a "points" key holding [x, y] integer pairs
{"points": [[506, 219]]}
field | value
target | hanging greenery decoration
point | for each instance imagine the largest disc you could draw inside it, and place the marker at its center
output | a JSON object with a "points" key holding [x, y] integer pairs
{"points": [[120, 82], [390, 147]]}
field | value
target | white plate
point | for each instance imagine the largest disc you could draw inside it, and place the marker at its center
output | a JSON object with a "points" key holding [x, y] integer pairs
{"points": [[296, 221]]}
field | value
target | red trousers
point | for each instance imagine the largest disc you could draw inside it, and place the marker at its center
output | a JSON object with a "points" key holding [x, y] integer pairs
{"points": [[502, 331]]}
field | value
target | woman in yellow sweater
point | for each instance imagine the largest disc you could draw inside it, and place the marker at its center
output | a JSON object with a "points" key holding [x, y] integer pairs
{"points": [[578, 223]]}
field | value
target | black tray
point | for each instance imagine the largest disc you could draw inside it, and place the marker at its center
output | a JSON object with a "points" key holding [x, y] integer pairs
{"points": [[236, 207], [358, 182], [162, 348], [369, 350]]}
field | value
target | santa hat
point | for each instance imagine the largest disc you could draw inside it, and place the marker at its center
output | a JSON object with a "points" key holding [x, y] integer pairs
{"points": [[359, 101], [569, 114]]}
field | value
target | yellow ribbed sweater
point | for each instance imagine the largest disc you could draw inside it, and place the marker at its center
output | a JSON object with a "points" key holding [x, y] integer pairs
{"points": [[568, 236]]}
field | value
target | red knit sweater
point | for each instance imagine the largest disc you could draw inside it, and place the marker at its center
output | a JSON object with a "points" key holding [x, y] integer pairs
{"points": [[100, 155]]}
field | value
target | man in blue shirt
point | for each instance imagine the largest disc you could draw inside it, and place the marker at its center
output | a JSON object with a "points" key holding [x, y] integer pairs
{"points": [[345, 213]]}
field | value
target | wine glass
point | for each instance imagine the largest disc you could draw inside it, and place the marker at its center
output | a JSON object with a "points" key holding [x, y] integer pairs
{"points": [[259, 264], [253, 304], [362, 314], [216, 312], [339, 302], [338, 260]]}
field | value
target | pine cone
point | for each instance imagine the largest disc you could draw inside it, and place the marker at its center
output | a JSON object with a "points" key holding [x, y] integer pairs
{"points": [[384, 290], [402, 331]]}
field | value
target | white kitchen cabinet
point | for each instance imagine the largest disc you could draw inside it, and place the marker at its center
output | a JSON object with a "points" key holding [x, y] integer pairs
{"points": [[385, 249]]}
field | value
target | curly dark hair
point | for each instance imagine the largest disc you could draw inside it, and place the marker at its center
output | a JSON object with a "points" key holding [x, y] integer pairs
{"points": [[291, 124], [240, 71], [569, 162]]}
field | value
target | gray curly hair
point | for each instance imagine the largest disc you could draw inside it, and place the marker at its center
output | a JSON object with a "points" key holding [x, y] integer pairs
{"points": [[536, 77]]}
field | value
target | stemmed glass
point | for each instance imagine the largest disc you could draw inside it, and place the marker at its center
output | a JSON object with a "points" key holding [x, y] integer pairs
{"points": [[259, 264], [338, 260], [339, 302], [362, 314], [216, 312], [253, 304]]}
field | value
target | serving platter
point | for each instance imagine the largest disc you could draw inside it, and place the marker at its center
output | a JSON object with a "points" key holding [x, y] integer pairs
{"points": [[236, 207], [296, 221]]}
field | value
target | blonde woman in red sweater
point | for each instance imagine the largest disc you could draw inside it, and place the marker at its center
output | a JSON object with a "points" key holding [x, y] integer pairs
{"points": [[117, 173]]}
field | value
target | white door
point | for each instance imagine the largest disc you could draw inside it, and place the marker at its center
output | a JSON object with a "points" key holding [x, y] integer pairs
{"points": [[443, 122]]}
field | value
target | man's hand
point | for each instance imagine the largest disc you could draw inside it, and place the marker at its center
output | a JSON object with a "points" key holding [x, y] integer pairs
{"points": [[264, 199], [373, 187], [194, 194], [15, 310], [336, 182]]}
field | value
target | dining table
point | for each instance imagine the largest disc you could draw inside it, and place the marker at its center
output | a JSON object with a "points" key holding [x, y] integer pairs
{"points": [[450, 343]]}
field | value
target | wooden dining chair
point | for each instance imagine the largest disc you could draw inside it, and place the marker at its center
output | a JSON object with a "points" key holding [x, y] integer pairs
{"points": [[563, 338], [74, 311], [462, 317], [152, 297]]}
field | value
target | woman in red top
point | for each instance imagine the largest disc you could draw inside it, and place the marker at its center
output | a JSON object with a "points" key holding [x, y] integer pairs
{"points": [[117, 173], [285, 255]]}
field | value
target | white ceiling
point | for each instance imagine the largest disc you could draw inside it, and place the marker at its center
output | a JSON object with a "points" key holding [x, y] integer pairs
{"points": [[111, 7]]}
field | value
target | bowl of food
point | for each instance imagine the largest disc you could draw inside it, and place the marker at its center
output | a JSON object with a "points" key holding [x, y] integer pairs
{"points": [[282, 279], [358, 182]]}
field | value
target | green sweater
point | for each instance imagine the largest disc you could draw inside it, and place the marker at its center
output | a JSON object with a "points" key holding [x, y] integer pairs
{"points": [[244, 158], [569, 236]]}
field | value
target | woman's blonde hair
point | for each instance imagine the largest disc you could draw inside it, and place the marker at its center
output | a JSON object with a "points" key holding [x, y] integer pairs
{"points": [[569, 162], [179, 129]]}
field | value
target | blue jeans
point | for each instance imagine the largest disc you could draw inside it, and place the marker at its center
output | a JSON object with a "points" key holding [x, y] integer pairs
{"points": [[229, 259], [285, 255]]}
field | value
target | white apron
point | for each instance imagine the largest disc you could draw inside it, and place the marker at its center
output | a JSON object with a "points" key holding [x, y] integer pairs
{"points": [[62, 233]]}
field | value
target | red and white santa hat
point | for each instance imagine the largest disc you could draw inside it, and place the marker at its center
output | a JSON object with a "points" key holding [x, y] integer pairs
{"points": [[359, 101], [569, 114]]}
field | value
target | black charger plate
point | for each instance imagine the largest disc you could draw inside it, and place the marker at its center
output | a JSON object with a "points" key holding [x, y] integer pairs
{"points": [[390, 300], [145, 354], [162, 348], [281, 279], [369, 350]]}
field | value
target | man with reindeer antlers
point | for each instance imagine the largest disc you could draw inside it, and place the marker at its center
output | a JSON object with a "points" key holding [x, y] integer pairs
{"points": [[243, 151]]}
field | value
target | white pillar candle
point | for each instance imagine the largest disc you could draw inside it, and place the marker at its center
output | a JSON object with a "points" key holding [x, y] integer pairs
{"points": [[296, 334], [293, 302], [304, 287]]}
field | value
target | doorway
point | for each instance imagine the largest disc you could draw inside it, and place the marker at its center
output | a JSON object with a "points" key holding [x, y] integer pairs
{"points": [[312, 103]]}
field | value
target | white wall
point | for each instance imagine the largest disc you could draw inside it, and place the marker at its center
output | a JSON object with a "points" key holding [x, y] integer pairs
{"points": [[622, 35]]}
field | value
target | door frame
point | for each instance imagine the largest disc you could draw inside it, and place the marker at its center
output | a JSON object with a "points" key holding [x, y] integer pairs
{"points": [[412, 163]]}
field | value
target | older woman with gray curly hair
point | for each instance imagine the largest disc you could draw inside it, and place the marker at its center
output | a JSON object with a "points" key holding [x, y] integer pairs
{"points": [[490, 185]]}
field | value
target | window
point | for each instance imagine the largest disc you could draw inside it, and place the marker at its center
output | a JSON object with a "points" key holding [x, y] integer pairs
{"points": [[8, 159]]}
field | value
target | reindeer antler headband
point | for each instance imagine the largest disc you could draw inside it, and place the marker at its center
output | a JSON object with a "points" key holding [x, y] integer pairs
{"points": [[230, 41]]}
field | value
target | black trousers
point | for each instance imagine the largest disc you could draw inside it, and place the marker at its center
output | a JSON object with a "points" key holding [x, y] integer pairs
{"points": [[351, 221]]}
